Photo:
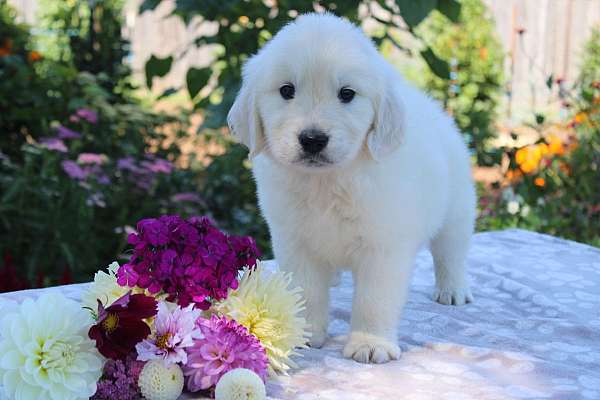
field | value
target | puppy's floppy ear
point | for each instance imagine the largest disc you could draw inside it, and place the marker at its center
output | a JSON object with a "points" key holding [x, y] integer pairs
{"points": [[388, 127], [244, 121]]}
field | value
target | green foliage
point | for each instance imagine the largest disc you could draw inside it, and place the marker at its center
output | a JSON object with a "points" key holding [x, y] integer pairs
{"points": [[471, 84], [51, 220], [90, 34], [590, 67], [27, 97], [244, 26], [157, 67], [230, 193], [556, 192]]}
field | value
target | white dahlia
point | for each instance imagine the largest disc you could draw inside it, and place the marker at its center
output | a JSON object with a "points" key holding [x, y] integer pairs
{"points": [[240, 384], [104, 288], [45, 352], [161, 381], [270, 310]]}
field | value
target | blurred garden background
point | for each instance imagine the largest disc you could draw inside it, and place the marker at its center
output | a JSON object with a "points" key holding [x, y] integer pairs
{"points": [[114, 110]]}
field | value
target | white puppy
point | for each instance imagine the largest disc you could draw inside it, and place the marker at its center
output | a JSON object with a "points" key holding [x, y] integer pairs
{"points": [[355, 169]]}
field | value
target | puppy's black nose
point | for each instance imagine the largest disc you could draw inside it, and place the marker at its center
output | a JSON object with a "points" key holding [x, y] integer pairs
{"points": [[313, 140]]}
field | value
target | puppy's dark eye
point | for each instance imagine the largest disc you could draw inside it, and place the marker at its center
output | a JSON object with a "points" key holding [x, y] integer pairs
{"points": [[287, 91], [346, 94]]}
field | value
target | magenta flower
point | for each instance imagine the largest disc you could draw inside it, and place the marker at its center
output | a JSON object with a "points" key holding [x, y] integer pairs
{"points": [[91, 158], [190, 260], [73, 170], [66, 133], [225, 345], [174, 332], [54, 144]]}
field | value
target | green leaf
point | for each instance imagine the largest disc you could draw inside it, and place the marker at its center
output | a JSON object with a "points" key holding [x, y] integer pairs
{"points": [[550, 81], [438, 66], [157, 67], [148, 5], [450, 8], [415, 11], [167, 93], [196, 79]]}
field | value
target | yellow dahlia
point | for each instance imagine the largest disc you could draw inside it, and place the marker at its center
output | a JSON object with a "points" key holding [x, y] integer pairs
{"points": [[270, 310]]}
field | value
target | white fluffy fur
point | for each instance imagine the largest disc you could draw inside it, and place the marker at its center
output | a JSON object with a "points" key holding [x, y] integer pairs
{"points": [[399, 177]]}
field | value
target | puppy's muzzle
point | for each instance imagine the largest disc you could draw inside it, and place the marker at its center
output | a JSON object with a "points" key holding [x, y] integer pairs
{"points": [[313, 141]]}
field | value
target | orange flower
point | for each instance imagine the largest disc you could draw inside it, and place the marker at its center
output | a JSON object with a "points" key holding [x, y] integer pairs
{"points": [[596, 100], [34, 56], [541, 182], [528, 158], [483, 53], [521, 155], [555, 145], [580, 118]]}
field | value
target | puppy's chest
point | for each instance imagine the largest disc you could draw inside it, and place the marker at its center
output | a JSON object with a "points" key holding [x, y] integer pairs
{"points": [[331, 221]]}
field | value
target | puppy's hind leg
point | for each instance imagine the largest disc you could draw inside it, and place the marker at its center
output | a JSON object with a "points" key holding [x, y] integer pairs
{"points": [[449, 249]]}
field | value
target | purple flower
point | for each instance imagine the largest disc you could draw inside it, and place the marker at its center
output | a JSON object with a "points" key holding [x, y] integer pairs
{"points": [[120, 380], [90, 116], [225, 345], [175, 331], [158, 166], [66, 133], [127, 164], [73, 170], [190, 260], [186, 197], [91, 158], [54, 144]]}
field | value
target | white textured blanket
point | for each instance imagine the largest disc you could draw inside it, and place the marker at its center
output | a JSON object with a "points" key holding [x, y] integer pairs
{"points": [[532, 333]]}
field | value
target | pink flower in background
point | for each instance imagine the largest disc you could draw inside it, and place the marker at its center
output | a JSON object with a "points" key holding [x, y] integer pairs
{"points": [[91, 158], [225, 345], [175, 331], [66, 133], [54, 144], [187, 196], [86, 114], [73, 170]]}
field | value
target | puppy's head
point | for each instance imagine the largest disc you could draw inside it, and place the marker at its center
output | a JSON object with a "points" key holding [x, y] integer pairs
{"points": [[316, 95]]}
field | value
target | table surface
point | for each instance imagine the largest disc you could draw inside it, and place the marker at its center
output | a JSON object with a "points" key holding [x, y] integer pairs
{"points": [[532, 333]]}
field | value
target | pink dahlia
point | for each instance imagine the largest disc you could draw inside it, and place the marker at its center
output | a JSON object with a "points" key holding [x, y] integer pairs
{"points": [[225, 345], [174, 331]]}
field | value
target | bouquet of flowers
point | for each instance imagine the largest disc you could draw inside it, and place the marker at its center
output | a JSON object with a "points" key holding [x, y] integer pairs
{"points": [[193, 310]]}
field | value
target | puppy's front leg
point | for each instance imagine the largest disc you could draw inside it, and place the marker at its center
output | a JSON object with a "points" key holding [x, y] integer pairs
{"points": [[315, 280], [380, 291]]}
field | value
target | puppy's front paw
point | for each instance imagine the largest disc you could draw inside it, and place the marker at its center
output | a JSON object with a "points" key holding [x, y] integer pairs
{"points": [[368, 348], [456, 296], [317, 338]]}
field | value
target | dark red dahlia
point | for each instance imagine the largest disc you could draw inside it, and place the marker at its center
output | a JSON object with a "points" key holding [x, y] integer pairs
{"points": [[121, 325]]}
